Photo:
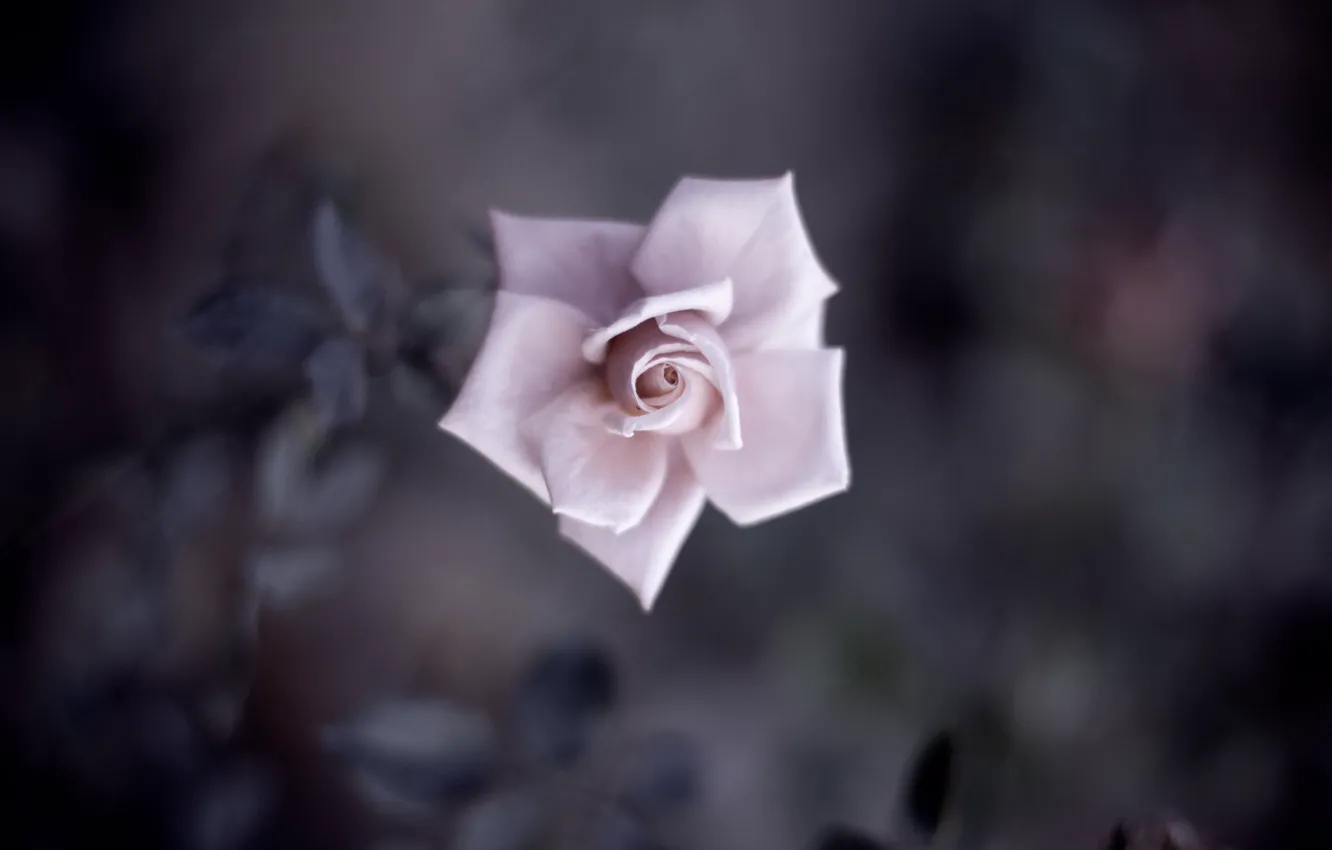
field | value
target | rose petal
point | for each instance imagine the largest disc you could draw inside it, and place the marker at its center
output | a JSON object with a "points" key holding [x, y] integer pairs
{"points": [[697, 332], [697, 403], [642, 556], [658, 384], [529, 357], [582, 263], [684, 409], [712, 300], [804, 334], [748, 230], [630, 354], [778, 278], [795, 441], [595, 476], [699, 230]]}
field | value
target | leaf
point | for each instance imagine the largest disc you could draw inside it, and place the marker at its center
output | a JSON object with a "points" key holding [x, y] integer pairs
{"points": [[562, 698], [232, 808], [482, 241], [255, 327], [444, 331], [418, 387], [665, 776], [221, 706], [412, 754], [844, 838], [338, 381], [195, 483], [508, 821], [623, 832], [929, 785], [957, 782], [1156, 834], [456, 313], [283, 577], [350, 269], [300, 496]]}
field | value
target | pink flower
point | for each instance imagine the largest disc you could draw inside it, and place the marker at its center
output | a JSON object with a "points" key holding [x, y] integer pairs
{"points": [[632, 373]]}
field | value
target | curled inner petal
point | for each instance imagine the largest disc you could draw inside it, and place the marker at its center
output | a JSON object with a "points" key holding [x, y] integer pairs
{"points": [[658, 382], [659, 385], [701, 336]]}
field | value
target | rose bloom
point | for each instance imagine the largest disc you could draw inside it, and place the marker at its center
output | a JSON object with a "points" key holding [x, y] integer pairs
{"points": [[631, 373]]}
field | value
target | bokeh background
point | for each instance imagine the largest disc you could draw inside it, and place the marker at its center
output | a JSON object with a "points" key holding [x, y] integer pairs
{"points": [[1083, 249]]}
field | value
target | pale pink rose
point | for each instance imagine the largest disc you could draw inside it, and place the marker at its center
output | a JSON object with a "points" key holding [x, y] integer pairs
{"points": [[632, 373]]}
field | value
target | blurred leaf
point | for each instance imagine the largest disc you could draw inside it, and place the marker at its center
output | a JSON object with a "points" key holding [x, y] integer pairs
{"points": [[231, 809], [441, 337], [1169, 834], [255, 327], [958, 781], [482, 241], [221, 698], [338, 381], [665, 776], [112, 611], [412, 754], [300, 495], [870, 664], [222, 704], [349, 268], [167, 735], [929, 785], [508, 821], [457, 315], [420, 388], [283, 577], [844, 838], [622, 832], [561, 699], [196, 481]]}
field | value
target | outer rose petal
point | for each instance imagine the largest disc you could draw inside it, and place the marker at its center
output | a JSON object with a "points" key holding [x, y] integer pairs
{"points": [[700, 229], [795, 440], [778, 278], [712, 300], [804, 335], [593, 475], [642, 557], [748, 230], [582, 263], [529, 357]]}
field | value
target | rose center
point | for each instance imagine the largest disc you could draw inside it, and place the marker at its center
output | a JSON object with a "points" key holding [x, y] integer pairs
{"points": [[658, 383]]}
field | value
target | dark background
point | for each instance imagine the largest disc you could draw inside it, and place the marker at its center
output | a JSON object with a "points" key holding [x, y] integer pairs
{"points": [[1083, 249]]}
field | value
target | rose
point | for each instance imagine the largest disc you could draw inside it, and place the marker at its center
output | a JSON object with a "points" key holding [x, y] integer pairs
{"points": [[632, 373]]}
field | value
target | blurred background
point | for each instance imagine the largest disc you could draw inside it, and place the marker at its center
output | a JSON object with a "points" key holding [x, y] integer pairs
{"points": [[1083, 249]]}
